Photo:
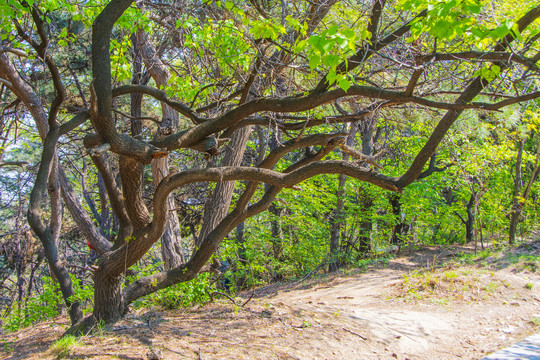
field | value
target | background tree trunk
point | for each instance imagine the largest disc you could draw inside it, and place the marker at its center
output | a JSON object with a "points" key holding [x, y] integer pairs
{"points": [[518, 202], [518, 183], [219, 202], [171, 241], [337, 219]]}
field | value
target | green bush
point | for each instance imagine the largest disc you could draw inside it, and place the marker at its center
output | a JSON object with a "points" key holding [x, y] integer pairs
{"points": [[44, 306], [194, 292]]}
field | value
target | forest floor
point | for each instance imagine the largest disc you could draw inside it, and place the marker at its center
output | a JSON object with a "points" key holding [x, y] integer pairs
{"points": [[431, 303]]}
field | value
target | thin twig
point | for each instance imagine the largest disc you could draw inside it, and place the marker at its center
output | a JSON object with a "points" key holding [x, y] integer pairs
{"points": [[357, 334], [223, 294]]}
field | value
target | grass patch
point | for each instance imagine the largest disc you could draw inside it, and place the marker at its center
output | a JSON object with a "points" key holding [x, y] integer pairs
{"points": [[442, 286], [525, 257], [7, 346], [382, 260], [63, 347]]}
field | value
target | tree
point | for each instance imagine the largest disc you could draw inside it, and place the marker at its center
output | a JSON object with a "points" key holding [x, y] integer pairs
{"points": [[519, 199], [233, 65]]}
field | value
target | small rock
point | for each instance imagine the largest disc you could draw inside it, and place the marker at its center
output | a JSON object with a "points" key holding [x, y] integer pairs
{"points": [[508, 330], [154, 354], [515, 303]]}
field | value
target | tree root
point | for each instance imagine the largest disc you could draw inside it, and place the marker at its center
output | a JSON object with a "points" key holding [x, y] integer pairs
{"points": [[83, 327]]}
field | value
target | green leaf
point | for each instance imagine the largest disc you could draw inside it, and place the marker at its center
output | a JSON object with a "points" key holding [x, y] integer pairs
{"points": [[300, 45], [345, 84], [330, 60], [314, 61]]}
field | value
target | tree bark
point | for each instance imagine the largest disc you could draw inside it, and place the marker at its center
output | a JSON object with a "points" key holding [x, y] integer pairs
{"points": [[45, 233], [518, 183], [366, 224], [401, 228], [218, 205], [337, 220], [171, 242], [518, 202], [471, 219], [108, 297]]}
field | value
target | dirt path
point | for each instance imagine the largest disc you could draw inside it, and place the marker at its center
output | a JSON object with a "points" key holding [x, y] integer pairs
{"points": [[386, 327], [386, 313]]}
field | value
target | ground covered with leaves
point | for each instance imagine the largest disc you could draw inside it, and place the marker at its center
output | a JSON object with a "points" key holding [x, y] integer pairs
{"points": [[430, 303]]}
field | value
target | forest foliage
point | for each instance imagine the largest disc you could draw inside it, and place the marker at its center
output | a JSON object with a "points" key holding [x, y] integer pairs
{"points": [[141, 142]]}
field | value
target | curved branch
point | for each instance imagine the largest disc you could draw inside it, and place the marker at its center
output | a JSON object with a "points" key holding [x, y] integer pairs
{"points": [[433, 168], [13, 163], [116, 262], [477, 55], [299, 125], [161, 96], [476, 86], [328, 142], [303, 103], [75, 122], [101, 88], [44, 232], [41, 49]]}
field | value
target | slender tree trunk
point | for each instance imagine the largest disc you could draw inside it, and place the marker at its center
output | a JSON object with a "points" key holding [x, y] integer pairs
{"points": [[274, 209], [336, 223], [519, 201], [277, 231], [401, 228], [366, 224], [518, 183], [44, 232], [241, 239], [337, 220], [218, 205], [471, 219], [105, 214]]}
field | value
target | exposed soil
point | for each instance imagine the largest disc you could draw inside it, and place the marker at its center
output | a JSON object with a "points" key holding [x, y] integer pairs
{"points": [[418, 306]]}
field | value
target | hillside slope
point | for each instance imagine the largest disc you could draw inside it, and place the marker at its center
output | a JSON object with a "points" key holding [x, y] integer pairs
{"points": [[431, 304]]}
